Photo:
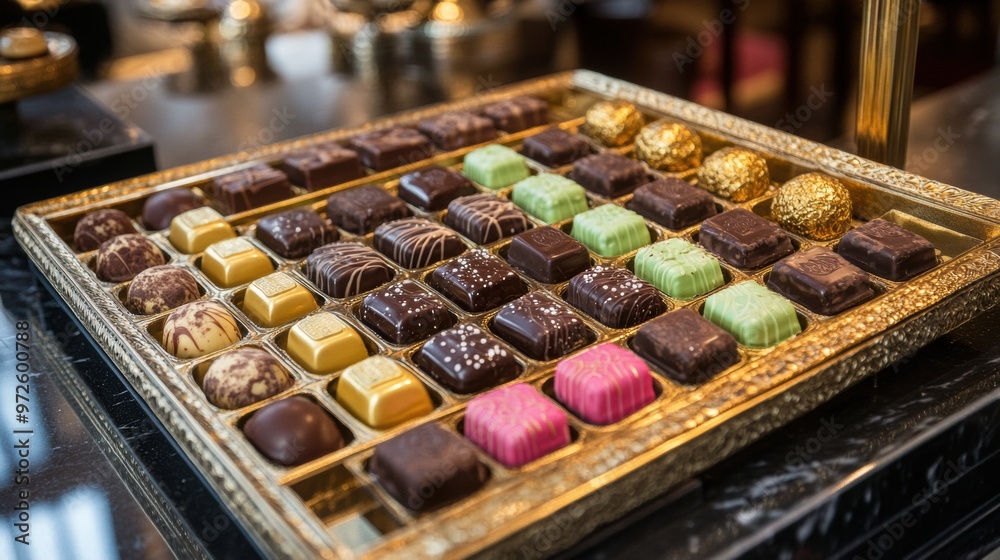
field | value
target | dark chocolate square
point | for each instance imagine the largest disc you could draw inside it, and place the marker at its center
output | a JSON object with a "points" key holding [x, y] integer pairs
{"points": [[888, 250], [672, 203], [457, 129], [548, 255], [555, 147], [363, 209], [466, 359], [517, 114], [478, 281], [343, 270], [541, 326], [295, 233], [392, 147], [416, 243], [405, 313], [427, 467], [322, 166], [433, 188], [615, 297], [820, 280], [686, 347], [249, 188], [485, 218], [609, 174], [744, 239]]}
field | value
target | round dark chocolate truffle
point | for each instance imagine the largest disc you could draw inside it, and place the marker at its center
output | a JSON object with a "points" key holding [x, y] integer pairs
{"points": [[121, 258], [293, 431], [161, 208], [160, 289], [197, 328], [97, 227], [244, 376]]}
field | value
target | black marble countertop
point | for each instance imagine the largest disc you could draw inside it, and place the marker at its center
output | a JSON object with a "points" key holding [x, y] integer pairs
{"points": [[903, 464]]}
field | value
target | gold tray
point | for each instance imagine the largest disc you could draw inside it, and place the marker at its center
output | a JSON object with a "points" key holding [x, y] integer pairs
{"points": [[316, 510]]}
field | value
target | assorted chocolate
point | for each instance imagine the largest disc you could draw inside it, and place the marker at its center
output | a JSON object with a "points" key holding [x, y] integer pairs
{"points": [[672, 203], [466, 359], [735, 174], [277, 299], [679, 268], [235, 261], [754, 315], [391, 147], [323, 343], [821, 281], [457, 129], [668, 146], [244, 376], [495, 166], [610, 230], [321, 166], [194, 230], [99, 226], [433, 188], [548, 255], [250, 188], [416, 242], [686, 347], [405, 313], [161, 208], [293, 431], [614, 296], [550, 198], [516, 425], [541, 326], [744, 239], [517, 114], [478, 281], [161, 288], [609, 174], [613, 123], [343, 270], [363, 209], [888, 250], [485, 218], [555, 147], [813, 205], [121, 258], [382, 393], [295, 233], [198, 328], [604, 384]]}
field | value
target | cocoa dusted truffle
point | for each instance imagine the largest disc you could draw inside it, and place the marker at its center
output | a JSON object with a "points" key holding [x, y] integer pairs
{"points": [[244, 376], [121, 258], [293, 431], [160, 289], [97, 227], [198, 328], [161, 208]]}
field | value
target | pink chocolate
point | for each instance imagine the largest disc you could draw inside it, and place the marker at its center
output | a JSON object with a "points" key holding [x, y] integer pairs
{"points": [[604, 384], [516, 424]]}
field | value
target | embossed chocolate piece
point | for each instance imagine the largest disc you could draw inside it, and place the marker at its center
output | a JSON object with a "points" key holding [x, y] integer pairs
{"points": [[233, 262], [679, 268], [821, 280], [478, 281], [433, 188], [194, 230], [416, 242], [427, 467], [162, 207], [121, 258], [754, 315], [363, 209], [887, 250], [321, 166], [160, 289], [744, 239], [244, 376], [467, 359], [295, 233], [517, 114], [405, 313], [277, 299], [485, 218], [686, 347], [382, 393], [323, 343], [555, 147], [343, 270], [457, 129], [548, 255], [672, 203], [609, 174], [516, 425], [249, 188], [99, 226], [293, 431], [614, 296], [610, 230], [540, 326], [604, 384], [198, 328], [391, 147]]}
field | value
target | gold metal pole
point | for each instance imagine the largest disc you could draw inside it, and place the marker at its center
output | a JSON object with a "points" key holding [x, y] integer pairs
{"points": [[888, 56]]}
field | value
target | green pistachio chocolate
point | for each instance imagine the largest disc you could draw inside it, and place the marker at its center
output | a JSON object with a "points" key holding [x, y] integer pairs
{"points": [[679, 268], [495, 166], [550, 198], [610, 230], [754, 315]]}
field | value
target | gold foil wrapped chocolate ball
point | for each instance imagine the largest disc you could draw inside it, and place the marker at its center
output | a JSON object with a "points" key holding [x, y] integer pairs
{"points": [[735, 173], [668, 146], [613, 123], [813, 205], [22, 42]]}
